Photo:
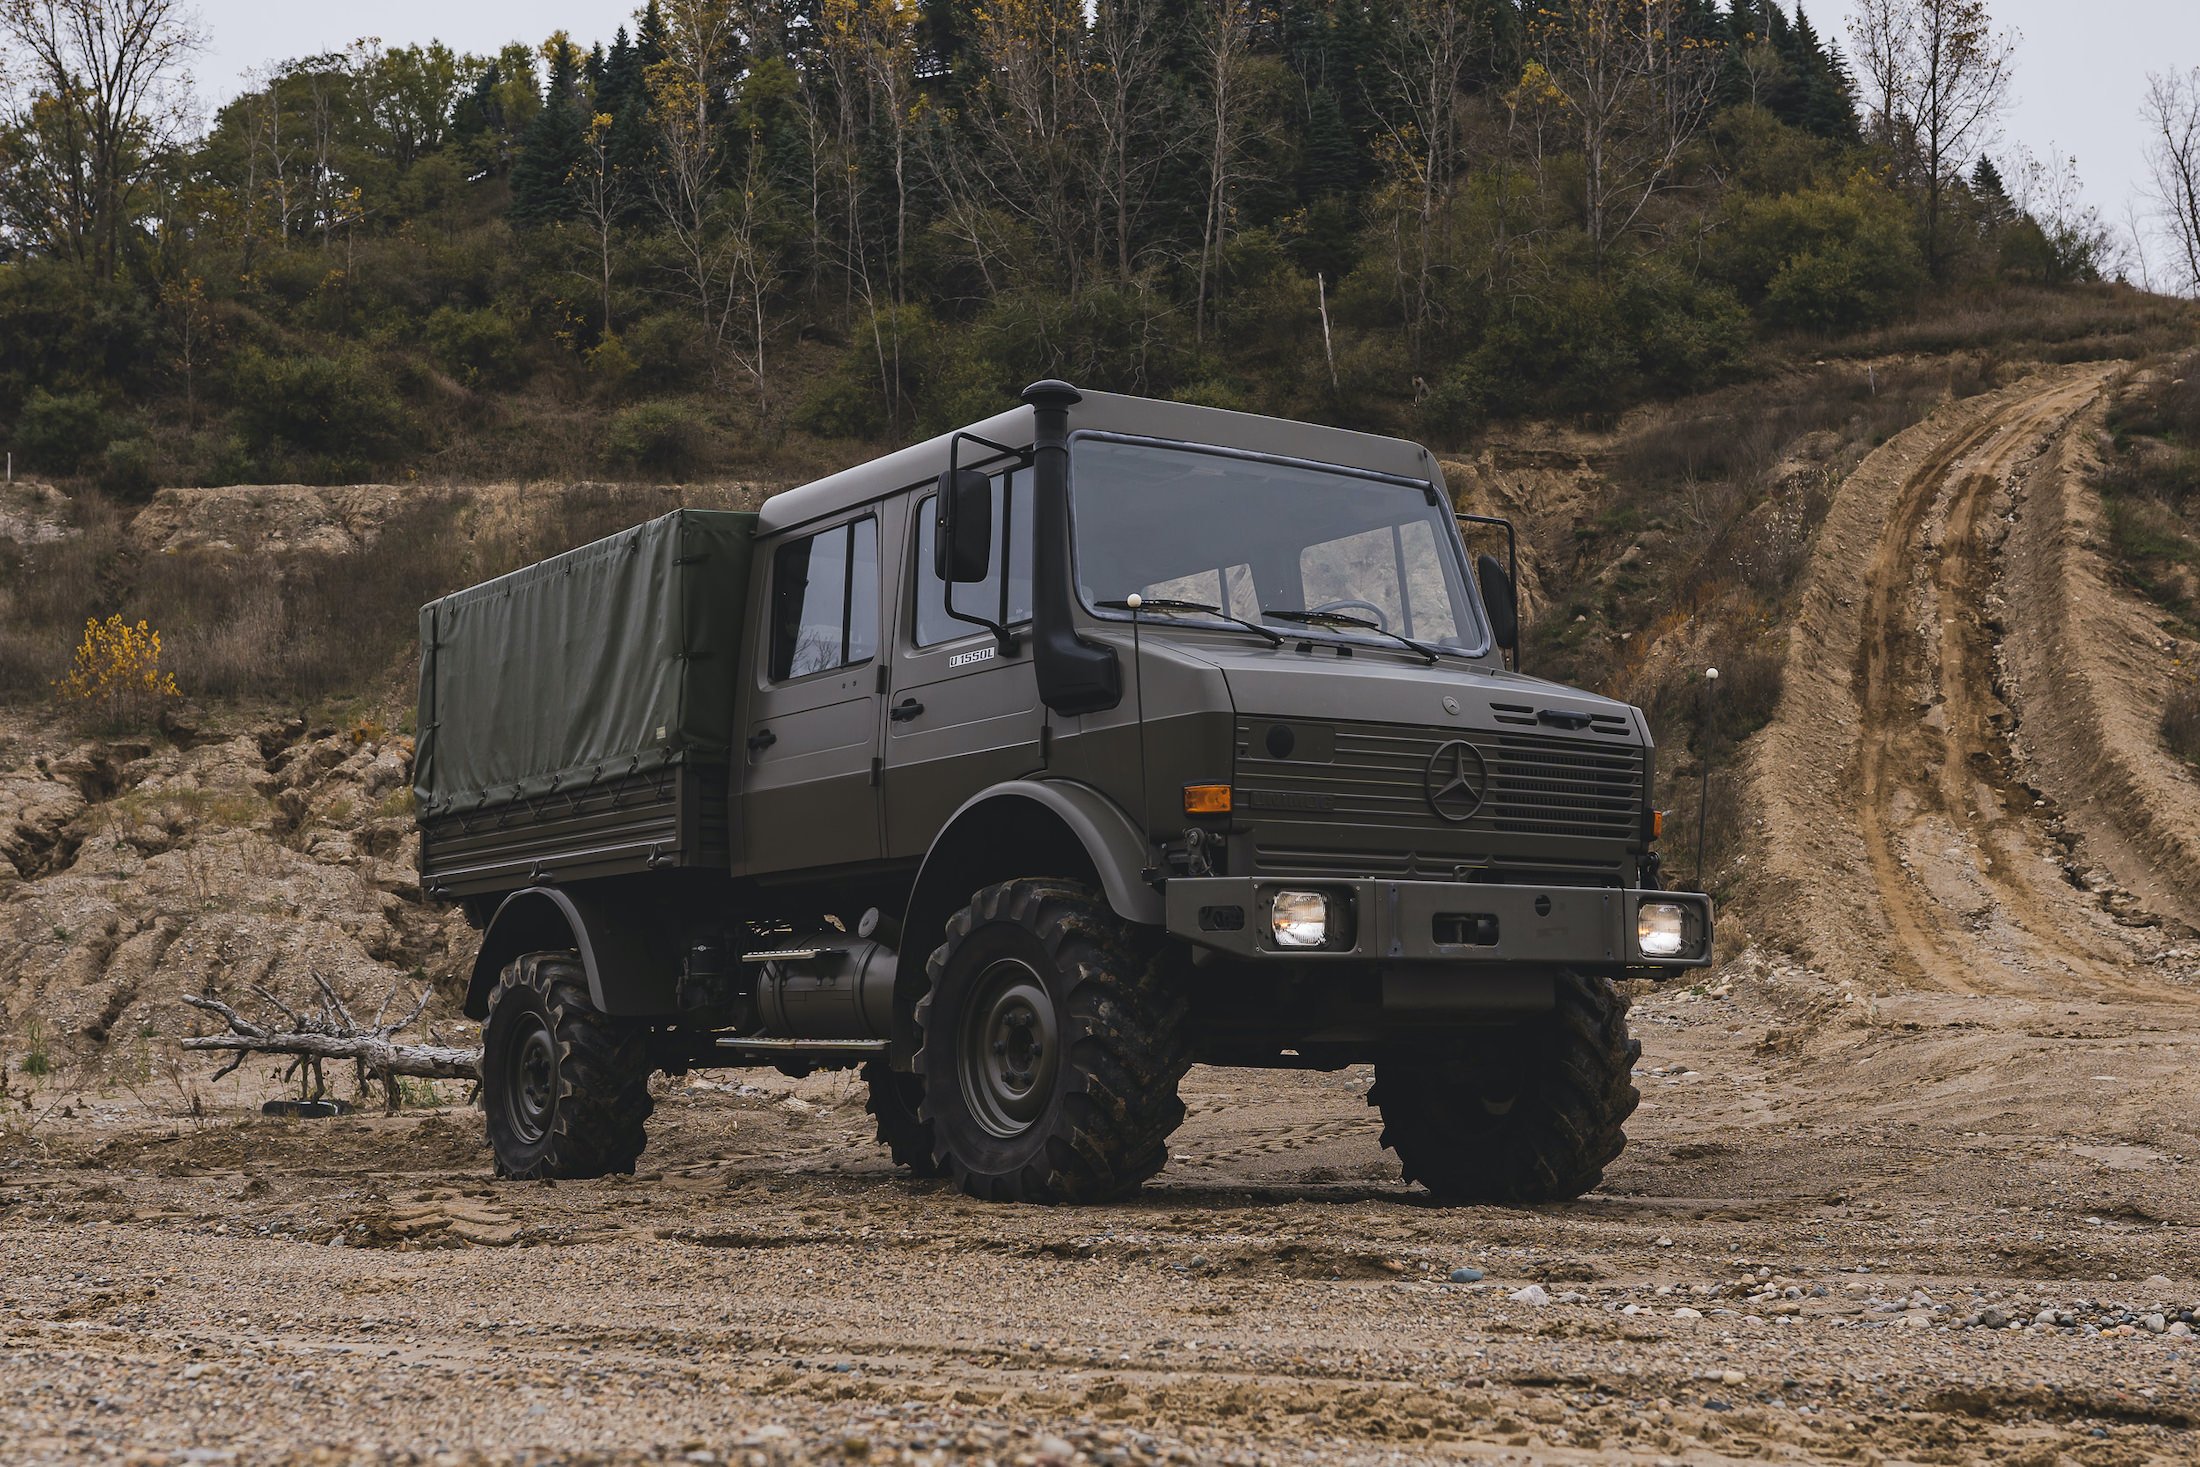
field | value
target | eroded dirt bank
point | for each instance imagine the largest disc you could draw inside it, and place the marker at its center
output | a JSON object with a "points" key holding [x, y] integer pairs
{"points": [[1912, 1181]]}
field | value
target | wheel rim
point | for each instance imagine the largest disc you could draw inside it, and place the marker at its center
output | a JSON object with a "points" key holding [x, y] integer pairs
{"points": [[1011, 1049], [533, 1094]]}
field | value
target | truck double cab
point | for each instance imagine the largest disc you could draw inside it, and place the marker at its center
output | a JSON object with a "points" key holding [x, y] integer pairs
{"points": [[1025, 768]]}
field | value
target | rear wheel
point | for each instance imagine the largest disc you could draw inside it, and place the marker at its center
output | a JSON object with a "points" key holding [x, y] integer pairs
{"points": [[1051, 1048], [1525, 1115], [564, 1089]]}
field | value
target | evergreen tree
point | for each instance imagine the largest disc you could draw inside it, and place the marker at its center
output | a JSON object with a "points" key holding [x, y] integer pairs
{"points": [[1329, 161], [553, 146], [1827, 104], [649, 36], [1994, 205]]}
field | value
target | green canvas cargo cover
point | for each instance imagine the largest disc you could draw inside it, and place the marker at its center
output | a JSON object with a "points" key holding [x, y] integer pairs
{"points": [[611, 660]]}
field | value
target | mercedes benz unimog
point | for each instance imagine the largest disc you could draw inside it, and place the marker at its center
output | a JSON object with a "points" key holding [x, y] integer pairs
{"points": [[1025, 768]]}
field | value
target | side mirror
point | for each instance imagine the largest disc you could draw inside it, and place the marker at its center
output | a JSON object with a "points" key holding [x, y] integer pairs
{"points": [[1503, 601], [962, 532]]}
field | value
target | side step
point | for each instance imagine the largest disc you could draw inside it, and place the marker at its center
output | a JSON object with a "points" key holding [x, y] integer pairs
{"points": [[777, 1049]]}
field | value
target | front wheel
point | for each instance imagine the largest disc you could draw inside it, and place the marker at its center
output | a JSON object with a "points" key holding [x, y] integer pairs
{"points": [[1051, 1048], [565, 1089], [1530, 1114]]}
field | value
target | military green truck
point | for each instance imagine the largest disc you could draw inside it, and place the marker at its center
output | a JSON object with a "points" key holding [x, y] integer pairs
{"points": [[1025, 768]]}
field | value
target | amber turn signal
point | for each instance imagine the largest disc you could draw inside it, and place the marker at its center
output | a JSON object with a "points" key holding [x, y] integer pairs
{"points": [[1206, 799], [1657, 824]]}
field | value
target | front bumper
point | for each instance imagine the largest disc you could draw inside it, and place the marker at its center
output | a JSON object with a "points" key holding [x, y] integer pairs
{"points": [[1436, 921]]}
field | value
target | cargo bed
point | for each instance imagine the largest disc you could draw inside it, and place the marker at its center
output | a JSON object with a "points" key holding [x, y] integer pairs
{"points": [[577, 716]]}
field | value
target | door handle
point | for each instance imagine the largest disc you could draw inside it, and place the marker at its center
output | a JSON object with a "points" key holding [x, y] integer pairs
{"points": [[905, 710], [761, 740]]}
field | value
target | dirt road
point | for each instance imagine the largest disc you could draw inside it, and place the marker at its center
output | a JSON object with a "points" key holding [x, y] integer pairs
{"points": [[1912, 1182]]}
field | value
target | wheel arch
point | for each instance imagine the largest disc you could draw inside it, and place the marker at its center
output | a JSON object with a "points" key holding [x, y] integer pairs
{"points": [[621, 977], [1024, 827]]}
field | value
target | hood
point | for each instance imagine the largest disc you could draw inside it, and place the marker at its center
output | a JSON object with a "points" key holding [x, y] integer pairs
{"points": [[1377, 685], [1378, 763]]}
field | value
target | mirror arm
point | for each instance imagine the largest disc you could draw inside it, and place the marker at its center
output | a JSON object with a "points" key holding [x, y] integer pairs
{"points": [[1002, 636], [1512, 568]]}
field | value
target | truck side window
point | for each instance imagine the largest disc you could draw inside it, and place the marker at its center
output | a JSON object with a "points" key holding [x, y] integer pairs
{"points": [[981, 598], [825, 600]]}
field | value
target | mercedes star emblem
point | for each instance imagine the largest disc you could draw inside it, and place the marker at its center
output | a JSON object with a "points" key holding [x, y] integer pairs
{"points": [[1456, 779]]}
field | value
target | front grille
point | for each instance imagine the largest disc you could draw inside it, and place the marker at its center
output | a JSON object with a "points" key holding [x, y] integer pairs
{"points": [[1369, 803]]}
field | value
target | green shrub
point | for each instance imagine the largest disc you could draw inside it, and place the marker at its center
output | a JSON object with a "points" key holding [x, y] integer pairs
{"points": [[58, 432], [481, 348], [1588, 344], [1823, 259], [126, 471], [666, 351], [896, 346], [662, 437], [337, 408]]}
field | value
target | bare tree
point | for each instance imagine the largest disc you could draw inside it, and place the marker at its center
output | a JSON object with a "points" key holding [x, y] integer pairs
{"points": [[1226, 49], [111, 75], [1028, 120], [2172, 113], [1938, 73], [1430, 46], [714, 230], [1124, 67], [600, 188], [1640, 83]]}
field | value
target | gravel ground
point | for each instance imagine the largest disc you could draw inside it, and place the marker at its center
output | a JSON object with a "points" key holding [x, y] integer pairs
{"points": [[1857, 1230]]}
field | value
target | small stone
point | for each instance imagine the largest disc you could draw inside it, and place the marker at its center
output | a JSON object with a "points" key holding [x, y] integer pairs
{"points": [[1684, 1312], [1533, 1294], [2045, 1316], [2155, 1323], [1054, 1446], [1466, 1274], [1731, 1377], [1993, 1319], [1665, 1242], [2181, 1329]]}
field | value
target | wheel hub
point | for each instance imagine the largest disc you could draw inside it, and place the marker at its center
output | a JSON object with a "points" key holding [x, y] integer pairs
{"points": [[1011, 1049], [533, 1094]]}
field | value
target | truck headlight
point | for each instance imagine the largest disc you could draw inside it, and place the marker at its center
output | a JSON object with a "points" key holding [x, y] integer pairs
{"points": [[1661, 929], [1299, 918]]}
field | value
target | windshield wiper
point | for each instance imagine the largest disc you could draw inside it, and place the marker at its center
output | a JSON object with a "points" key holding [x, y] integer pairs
{"points": [[1358, 623], [1166, 603]]}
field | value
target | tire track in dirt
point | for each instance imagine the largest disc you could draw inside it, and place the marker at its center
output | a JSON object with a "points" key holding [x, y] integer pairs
{"points": [[1913, 846]]}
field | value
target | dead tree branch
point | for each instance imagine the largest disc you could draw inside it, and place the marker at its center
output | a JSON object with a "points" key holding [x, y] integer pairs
{"points": [[332, 1034]]}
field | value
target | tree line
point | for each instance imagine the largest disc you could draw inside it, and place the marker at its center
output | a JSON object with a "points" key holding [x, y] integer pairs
{"points": [[740, 219]]}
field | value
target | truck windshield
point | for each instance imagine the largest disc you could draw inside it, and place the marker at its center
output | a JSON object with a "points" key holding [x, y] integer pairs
{"points": [[1253, 535]]}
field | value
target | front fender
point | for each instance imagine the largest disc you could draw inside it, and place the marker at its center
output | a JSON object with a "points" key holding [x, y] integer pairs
{"points": [[1111, 841]]}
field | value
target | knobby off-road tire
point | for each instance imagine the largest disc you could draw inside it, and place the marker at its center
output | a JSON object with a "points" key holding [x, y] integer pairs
{"points": [[1531, 1115], [896, 1103], [1051, 1047], [564, 1088]]}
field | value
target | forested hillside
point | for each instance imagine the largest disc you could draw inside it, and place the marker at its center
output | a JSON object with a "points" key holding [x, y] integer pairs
{"points": [[710, 240]]}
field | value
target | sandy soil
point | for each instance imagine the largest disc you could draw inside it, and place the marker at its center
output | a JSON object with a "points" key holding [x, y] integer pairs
{"points": [[1911, 1182]]}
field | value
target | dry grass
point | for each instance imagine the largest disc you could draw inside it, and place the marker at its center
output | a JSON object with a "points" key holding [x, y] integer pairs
{"points": [[250, 624]]}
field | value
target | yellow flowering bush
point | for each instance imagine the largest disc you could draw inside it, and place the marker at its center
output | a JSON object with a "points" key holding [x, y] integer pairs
{"points": [[117, 679]]}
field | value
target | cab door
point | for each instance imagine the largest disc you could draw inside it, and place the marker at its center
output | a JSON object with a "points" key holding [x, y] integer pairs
{"points": [[810, 793], [961, 714]]}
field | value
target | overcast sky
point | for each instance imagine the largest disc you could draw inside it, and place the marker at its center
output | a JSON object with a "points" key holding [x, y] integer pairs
{"points": [[2081, 67]]}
